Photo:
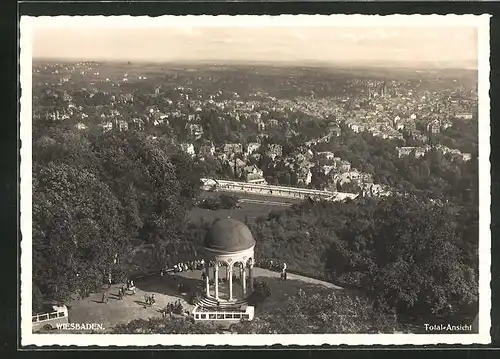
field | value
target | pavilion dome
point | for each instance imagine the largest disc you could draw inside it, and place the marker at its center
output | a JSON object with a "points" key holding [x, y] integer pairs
{"points": [[229, 235]]}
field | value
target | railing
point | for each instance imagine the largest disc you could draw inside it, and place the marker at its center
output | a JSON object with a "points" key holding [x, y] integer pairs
{"points": [[272, 190], [200, 313]]}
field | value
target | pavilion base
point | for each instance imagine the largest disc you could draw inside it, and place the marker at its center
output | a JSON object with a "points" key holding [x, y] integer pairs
{"points": [[226, 314]]}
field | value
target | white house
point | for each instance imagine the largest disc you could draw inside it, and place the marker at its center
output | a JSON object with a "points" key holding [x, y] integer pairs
{"points": [[232, 148], [327, 154], [121, 125], [81, 126], [207, 150], [354, 127], [327, 169], [252, 147], [253, 169], [274, 151], [188, 148], [106, 126], [304, 176]]}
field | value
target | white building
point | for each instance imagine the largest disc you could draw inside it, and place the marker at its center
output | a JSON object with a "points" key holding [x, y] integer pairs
{"points": [[106, 126], [121, 125], [188, 148], [81, 126], [327, 169], [252, 147], [275, 151], [327, 154], [207, 150]]}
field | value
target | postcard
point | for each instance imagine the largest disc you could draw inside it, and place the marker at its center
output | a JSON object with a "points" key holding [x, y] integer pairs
{"points": [[294, 180]]}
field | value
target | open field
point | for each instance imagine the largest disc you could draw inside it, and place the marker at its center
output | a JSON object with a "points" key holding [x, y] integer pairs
{"points": [[251, 210], [252, 196]]}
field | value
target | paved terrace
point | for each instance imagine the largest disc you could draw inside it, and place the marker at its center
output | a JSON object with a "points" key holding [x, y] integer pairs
{"points": [[91, 310]]}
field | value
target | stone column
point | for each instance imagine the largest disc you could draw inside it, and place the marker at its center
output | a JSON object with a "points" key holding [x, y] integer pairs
{"points": [[216, 280], [250, 276], [207, 278], [230, 273], [244, 280]]}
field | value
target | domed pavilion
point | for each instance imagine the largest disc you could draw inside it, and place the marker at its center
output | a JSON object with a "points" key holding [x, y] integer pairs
{"points": [[229, 260]]}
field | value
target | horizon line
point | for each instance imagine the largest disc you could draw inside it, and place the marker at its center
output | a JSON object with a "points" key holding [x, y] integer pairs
{"points": [[284, 63]]}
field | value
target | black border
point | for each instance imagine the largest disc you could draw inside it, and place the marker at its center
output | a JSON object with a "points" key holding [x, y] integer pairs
{"points": [[258, 7], [9, 299]]}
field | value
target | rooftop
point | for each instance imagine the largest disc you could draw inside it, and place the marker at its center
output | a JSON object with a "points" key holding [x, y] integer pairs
{"points": [[229, 235]]}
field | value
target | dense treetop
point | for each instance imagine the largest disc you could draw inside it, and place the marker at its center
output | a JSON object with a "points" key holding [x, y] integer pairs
{"points": [[405, 252], [93, 194]]}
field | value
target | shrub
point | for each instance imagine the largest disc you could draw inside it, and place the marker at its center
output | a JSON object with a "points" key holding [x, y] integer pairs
{"points": [[261, 292], [194, 297]]}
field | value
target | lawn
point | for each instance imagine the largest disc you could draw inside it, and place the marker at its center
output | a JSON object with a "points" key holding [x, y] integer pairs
{"points": [[250, 211]]}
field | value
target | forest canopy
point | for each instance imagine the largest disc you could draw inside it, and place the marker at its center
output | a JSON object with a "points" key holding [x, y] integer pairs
{"points": [[92, 195]]}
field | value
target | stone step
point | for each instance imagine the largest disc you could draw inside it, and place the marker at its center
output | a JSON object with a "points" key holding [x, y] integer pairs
{"points": [[212, 302]]}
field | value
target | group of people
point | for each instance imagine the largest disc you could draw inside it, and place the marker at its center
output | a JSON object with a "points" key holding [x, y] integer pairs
{"points": [[149, 299], [124, 288], [189, 266], [172, 308], [121, 291], [198, 264], [222, 279]]}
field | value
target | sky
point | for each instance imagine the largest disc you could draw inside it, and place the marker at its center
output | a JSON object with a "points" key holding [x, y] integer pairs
{"points": [[363, 45]]}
